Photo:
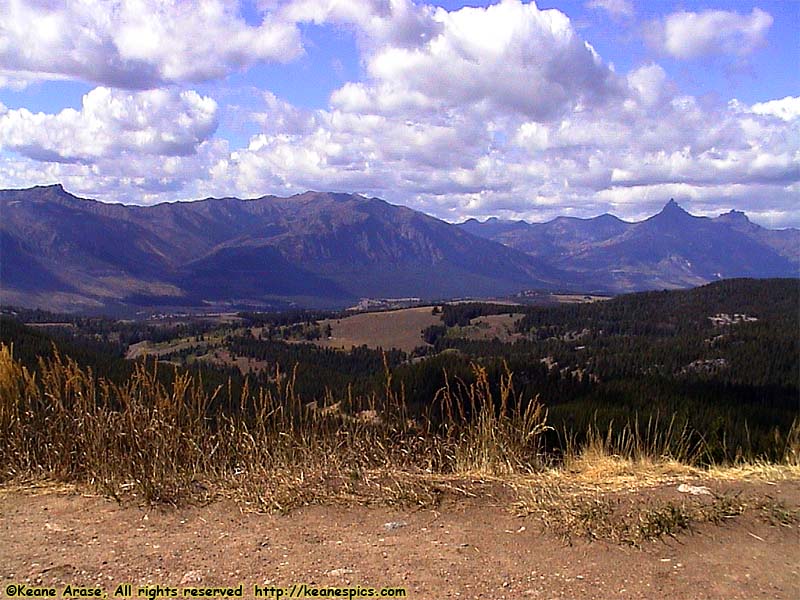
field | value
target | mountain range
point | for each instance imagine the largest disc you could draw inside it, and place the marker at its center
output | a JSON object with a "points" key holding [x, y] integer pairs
{"points": [[670, 249], [62, 252]]}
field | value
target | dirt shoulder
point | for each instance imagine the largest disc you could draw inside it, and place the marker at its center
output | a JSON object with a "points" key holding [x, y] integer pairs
{"points": [[467, 548]]}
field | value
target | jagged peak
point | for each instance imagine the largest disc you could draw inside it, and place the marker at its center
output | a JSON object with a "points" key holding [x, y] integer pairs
{"points": [[734, 215], [673, 206], [671, 211]]}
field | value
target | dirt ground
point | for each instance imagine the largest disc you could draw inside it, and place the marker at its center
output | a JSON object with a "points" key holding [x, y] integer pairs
{"points": [[467, 548]]}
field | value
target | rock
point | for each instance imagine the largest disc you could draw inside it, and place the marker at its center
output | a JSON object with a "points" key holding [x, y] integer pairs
{"points": [[694, 490], [394, 525], [339, 572], [191, 577]]}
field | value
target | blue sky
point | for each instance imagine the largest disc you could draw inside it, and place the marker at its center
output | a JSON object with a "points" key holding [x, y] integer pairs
{"points": [[509, 109]]}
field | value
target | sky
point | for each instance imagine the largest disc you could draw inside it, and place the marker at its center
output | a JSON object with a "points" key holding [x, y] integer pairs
{"points": [[459, 109]]}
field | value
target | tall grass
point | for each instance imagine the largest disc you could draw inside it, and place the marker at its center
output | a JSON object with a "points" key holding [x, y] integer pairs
{"points": [[657, 440], [164, 443], [491, 433], [161, 443]]}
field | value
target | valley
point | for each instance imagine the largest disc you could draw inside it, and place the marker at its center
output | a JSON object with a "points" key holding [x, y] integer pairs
{"points": [[566, 436], [688, 357], [415, 299]]}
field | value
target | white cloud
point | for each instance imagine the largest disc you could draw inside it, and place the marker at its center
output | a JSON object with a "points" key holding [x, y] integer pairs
{"points": [[616, 8], [281, 117], [787, 108], [360, 152], [508, 57], [13, 81], [130, 177], [688, 35], [649, 82], [397, 22], [502, 110], [110, 123], [457, 163], [769, 205], [136, 44]]}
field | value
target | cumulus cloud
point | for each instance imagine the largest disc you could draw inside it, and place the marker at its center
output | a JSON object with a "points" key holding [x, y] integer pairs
{"points": [[13, 81], [397, 22], [505, 57], [130, 177], [280, 117], [649, 82], [651, 143], [769, 205], [434, 116], [136, 44], [503, 110], [627, 156], [787, 108], [111, 123], [331, 149], [616, 8], [688, 35]]}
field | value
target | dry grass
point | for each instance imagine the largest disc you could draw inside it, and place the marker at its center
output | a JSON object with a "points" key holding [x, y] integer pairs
{"points": [[574, 512], [148, 442], [161, 444], [401, 329], [591, 494], [570, 514]]}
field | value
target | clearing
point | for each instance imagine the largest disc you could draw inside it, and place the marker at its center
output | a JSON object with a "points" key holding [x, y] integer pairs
{"points": [[401, 329], [489, 327]]}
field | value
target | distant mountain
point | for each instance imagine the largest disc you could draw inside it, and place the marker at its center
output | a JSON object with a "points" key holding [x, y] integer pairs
{"points": [[669, 250], [560, 237], [785, 242], [63, 252], [493, 227]]}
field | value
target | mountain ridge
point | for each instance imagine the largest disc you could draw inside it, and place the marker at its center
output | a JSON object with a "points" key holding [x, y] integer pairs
{"points": [[314, 248], [58, 250], [672, 248]]}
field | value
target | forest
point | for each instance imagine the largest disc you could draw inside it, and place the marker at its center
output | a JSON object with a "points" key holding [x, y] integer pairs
{"points": [[717, 367]]}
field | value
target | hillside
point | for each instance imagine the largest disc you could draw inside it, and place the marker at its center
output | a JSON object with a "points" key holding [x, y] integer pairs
{"points": [[721, 359], [635, 443], [671, 249], [317, 249], [60, 251]]}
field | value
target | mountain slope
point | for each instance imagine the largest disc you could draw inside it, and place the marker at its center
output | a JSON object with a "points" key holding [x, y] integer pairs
{"points": [[323, 249], [669, 250], [785, 242], [676, 249], [61, 251], [559, 237]]}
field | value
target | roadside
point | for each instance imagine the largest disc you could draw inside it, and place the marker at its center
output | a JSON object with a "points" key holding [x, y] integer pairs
{"points": [[468, 547]]}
